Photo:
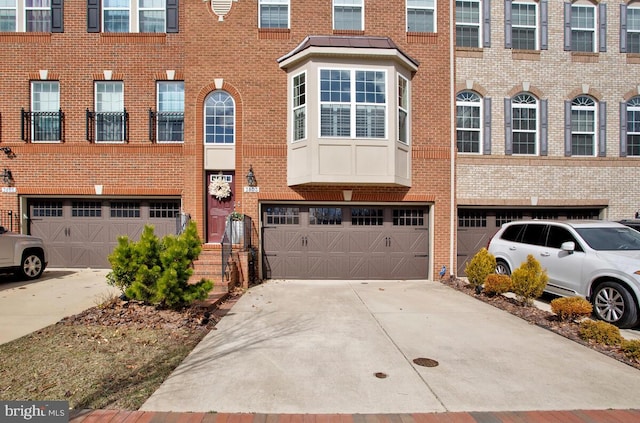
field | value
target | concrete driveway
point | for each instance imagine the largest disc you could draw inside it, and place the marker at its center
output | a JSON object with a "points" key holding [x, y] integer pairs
{"points": [[27, 306], [318, 347]]}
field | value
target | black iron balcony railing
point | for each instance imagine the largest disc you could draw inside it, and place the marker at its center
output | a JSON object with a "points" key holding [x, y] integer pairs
{"points": [[166, 126], [107, 126], [42, 126]]}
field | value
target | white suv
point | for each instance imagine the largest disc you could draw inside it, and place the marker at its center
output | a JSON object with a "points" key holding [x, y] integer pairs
{"points": [[22, 254], [594, 259]]}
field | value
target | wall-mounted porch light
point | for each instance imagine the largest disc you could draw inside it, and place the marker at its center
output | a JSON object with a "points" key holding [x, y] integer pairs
{"points": [[251, 177], [7, 177]]}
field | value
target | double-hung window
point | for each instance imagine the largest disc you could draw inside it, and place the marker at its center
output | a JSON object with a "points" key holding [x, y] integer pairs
{"points": [[583, 126], [170, 114], [31, 15], [421, 16], [273, 13], [468, 33], [45, 116], [348, 15], [403, 109], [524, 26], [300, 107], [219, 118], [468, 122], [583, 28], [110, 115], [631, 33], [353, 103], [632, 136], [525, 124], [147, 16]]}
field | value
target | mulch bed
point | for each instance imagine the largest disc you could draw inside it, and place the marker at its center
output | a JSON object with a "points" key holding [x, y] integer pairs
{"points": [[541, 318]]}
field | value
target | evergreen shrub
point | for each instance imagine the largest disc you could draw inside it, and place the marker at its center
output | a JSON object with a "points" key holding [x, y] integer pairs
{"points": [[157, 271], [482, 264], [600, 331], [571, 308], [497, 284], [529, 280]]}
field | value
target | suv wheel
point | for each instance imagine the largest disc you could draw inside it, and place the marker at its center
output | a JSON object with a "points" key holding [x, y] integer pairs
{"points": [[614, 304], [502, 268], [31, 266]]}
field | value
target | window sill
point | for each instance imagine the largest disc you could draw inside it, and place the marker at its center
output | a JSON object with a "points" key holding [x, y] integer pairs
{"points": [[422, 37], [533, 55], [347, 32], [473, 52], [584, 57], [132, 38], [633, 58], [25, 37], [274, 34]]}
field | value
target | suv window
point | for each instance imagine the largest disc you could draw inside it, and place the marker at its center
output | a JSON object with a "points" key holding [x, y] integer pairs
{"points": [[512, 233], [533, 234], [558, 235]]}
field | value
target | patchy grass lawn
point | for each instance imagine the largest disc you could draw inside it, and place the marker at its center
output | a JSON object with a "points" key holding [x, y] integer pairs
{"points": [[95, 365]]}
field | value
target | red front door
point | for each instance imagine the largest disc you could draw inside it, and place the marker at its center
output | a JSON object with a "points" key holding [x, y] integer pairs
{"points": [[219, 209]]}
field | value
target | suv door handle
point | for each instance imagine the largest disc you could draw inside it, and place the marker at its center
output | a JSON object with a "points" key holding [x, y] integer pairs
{"points": [[545, 254]]}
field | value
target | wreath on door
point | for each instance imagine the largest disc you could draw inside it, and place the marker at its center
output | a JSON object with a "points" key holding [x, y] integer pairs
{"points": [[219, 188]]}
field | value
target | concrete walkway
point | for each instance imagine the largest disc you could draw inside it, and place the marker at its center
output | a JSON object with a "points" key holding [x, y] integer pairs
{"points": [[27, 306], [351, 347]]}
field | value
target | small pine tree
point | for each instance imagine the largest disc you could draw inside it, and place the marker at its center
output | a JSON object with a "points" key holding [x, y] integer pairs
{"points": [[158, 271], [529, 280], [481, 265]]}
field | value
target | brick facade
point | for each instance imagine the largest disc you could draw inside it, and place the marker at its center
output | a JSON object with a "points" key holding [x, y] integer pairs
{"points": [[232, 54]]}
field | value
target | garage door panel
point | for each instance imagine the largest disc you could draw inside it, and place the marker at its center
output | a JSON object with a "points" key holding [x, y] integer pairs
{"points": [[338, 242]]}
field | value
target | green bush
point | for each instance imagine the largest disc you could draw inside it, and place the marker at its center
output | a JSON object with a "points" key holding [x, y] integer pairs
{"points": [[497, 284], [631, 348], [529, 280], [571, 308], [158, 271], [600, 332], [479, 267]]}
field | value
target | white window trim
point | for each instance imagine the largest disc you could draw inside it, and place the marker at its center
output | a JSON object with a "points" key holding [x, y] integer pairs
{"points": [[304, 106], [435, 15], [537, 130], [204, 121], [594, 30], [274, 2], [536, 27], [39, 109], [480, 105], [347, 3], [158, 84], [631, 107], [479, 24], [407, 110], [594, 110], [636, 8], [134, 10], [21, 13], [353, 104], [97, 140]]}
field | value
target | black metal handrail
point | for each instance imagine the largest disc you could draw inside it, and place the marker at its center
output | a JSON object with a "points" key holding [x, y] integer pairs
{"points": [[8, 219], [166, 126], [107, 126], [41, 126]]}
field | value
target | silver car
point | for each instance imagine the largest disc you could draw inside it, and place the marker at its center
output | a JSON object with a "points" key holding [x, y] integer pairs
{"points": [[22, 254], [594, 259]]}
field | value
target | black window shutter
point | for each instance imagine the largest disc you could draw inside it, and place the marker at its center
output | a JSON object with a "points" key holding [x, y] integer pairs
{"points": [[486, 134], [486, 23], [544, 25], [602, 20], [623, 129], [567, 26], [567, 128], [508, 134], [544, 145], [172, 16], [507, 24], [623, 28], [57, 16], [602, 129], [93, 15]]}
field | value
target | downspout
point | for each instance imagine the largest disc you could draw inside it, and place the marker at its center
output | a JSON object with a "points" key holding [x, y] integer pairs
{"points": [[452, 184]]}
